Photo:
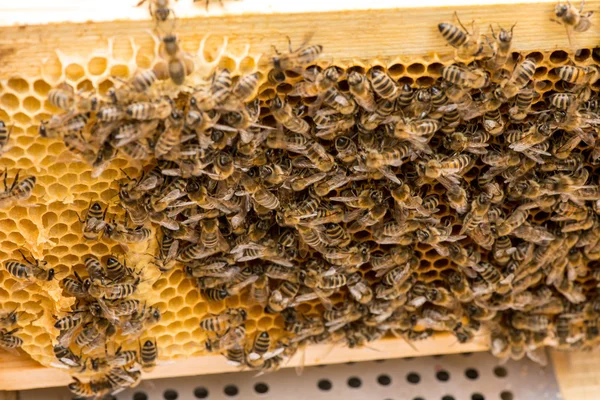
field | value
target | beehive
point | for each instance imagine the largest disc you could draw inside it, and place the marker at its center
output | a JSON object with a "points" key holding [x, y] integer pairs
{"points": [[48, 227]]}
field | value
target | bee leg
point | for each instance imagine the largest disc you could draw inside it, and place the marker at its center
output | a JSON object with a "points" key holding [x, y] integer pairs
{"points": [[5, 178], [15, 181], [580, 6], [460, 23]]}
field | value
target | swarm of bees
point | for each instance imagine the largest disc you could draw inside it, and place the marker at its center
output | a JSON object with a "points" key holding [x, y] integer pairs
{"points": [[338, 193], [104, 308]]}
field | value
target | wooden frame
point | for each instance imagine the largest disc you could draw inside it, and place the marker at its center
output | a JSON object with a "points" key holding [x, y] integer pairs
{"points": [[18, 373], [31, 31]]}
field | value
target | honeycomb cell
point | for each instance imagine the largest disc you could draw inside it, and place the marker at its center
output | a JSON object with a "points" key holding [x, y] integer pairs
{"points": [[582, 55], [74, 72], [97, 65], [52, 69], [558, 57], [415, 69], [41, 88], [18, 85], [85, 85], [247, 65], [395, 70], [120, 70], [228, 63], [31, 104], [10, 102], [425, 81]]}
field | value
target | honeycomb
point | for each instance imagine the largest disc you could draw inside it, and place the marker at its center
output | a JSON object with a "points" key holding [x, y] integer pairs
{"points": [[47, 226]]}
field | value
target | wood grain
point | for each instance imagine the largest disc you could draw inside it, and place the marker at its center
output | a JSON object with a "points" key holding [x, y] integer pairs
{"points": [[577, 374], [18, 373], [396, 33]]}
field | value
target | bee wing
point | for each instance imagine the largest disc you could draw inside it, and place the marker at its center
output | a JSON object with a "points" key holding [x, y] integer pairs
{"points": [[390, 175], [538, 355]]}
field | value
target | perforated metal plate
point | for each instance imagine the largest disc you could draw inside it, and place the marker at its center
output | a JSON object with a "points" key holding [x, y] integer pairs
{"points": [[476, 376]]}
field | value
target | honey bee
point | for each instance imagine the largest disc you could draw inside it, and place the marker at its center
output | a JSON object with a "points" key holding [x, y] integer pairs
{"points": [[177, 64], [319, 83], [501, 47], [382, 84], [159, 9], [94, 388], [148, 355], [94, 222], [338, 101], [283, 113], [143, 111], [29, 270], [120, 233], [577, 75], [572, 18], [114, 291], [260, 346], [64, 97], [521, 76], [473, 79], [141, 321], [230, 319], [67, 359], [296, 58], [467, 44], [20, 190], [360, 89], [535, 323], [523, 102], [259, 193], [4, 136]]}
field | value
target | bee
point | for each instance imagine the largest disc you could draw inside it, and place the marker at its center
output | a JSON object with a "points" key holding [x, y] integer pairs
{"points": [[260, 346], [577, 75], [94, 222], [466, 44], [159, 9], [516, 219], [479, 209], [67, 358], [282, 297], [141, 81], [296, 58], [94, 334], [9, 319], [117, 271], [361, 91], [94, 388], [65, 98], [382, 84], [572, 18], [259, 193], [144, 111], [114, 291], [473, 79], [359, 289], [29, 270], [4, 136], [523, 102], [170, 137], [122, 234], [148, 355], [535, 323], [8, 341], [339, 101], [232, 318], [20, 190], [321, 82], [501, 46], [177, 64], [141, 321], [521, 76]]}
